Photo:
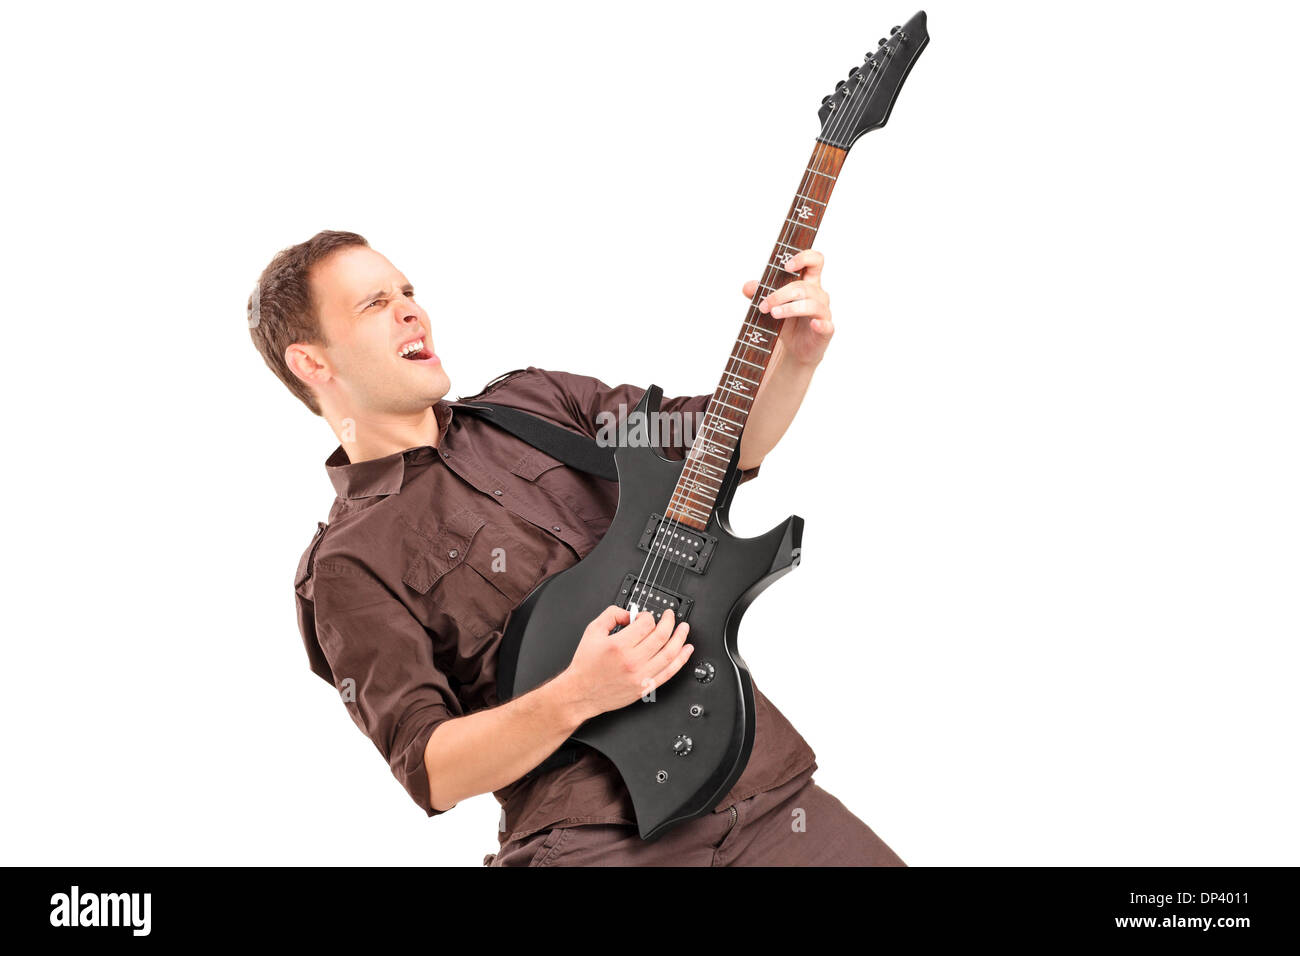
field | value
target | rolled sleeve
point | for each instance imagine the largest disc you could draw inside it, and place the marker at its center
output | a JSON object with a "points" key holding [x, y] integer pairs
{"points": [[382, 662], [584, 402]]}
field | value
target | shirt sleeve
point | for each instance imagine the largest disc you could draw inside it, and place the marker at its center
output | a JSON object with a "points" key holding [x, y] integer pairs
{"points": [[586, 403], [382, 662]]}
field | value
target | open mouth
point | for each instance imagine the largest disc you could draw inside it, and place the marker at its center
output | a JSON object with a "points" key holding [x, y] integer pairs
{"points": [[415, 352]]}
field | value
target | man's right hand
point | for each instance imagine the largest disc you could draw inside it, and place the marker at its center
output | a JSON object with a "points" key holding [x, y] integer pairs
{"points": [[610, 671]]}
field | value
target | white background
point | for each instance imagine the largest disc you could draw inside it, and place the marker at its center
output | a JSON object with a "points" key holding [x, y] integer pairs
{"points": [[1048, 608]]}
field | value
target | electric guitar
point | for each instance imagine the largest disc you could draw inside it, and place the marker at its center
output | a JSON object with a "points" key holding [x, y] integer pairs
{"points": [[670, 545]]}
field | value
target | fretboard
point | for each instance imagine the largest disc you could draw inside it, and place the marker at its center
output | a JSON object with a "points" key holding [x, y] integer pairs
{"points": [[700, 483]]}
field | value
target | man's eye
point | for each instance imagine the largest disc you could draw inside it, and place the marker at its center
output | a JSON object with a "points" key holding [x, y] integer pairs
{"points": [[377, 301], [410, 293]]}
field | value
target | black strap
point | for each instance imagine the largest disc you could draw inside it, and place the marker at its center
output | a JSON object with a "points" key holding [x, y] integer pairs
{"points": [[576, 451]]}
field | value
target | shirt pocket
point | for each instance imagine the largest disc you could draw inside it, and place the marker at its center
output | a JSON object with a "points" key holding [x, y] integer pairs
{"points": [[456, 569], [588, 496]]}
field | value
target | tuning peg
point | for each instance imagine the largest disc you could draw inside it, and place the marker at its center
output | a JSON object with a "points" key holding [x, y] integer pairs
{"points": [[883, 41], [893, 30], [853, 70], [826, 99], [839, 86]]}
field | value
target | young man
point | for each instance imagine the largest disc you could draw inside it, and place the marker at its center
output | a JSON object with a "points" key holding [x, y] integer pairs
{"points": [[444, 523]]}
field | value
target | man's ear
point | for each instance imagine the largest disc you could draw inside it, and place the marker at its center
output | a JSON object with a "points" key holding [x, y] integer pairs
{"points": [[308, 363]]}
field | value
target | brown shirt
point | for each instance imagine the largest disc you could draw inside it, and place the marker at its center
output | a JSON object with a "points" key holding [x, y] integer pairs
{"points": [[403, 596]]}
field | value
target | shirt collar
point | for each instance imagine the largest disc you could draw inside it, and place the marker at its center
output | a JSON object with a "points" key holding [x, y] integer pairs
{"points": [[380, 476]]}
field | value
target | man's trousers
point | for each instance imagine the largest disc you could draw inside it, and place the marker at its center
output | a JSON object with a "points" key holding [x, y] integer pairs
{"points": [[796, 824]]}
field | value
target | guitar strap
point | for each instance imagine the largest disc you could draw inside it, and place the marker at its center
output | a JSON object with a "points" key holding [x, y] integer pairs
{"points": [[576, 451]]}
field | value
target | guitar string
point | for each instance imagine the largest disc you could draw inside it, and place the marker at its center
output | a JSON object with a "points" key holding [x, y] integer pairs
{"points": [[854, 106], [657, 558]]}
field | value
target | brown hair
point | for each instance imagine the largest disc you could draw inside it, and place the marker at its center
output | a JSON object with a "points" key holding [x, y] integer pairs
{"points": [[281, 310]]}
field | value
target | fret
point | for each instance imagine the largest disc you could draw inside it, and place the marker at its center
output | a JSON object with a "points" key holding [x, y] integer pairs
{"points": [[707, 470], [724, 438], [697, 523], [743, 394], [697, 464], [703, 503], [711, 454], [715, 447], [687, 497], [700, 481], [697, 509], [742, 411], [752, 328]]}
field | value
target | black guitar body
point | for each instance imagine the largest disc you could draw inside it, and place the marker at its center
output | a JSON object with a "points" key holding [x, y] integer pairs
{"points": [[681, 752]]}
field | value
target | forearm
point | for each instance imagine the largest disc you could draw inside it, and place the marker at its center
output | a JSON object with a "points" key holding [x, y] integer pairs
{"points": [[779, 396], [487, 750]]}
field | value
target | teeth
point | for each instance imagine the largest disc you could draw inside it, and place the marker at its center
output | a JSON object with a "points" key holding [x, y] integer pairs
{"points": [[412, 347]]}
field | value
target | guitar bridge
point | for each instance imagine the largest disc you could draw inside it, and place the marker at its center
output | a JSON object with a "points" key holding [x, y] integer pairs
{"points": [[678, 544], [653, 598]]}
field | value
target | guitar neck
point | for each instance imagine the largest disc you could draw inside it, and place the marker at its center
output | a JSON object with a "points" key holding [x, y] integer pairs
{"points": [[700, 483]]}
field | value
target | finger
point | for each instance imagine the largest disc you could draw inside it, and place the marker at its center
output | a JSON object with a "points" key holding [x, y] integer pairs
{"points": [[790, 292], [664, 654], [668, 650], [793, 307], [642, 626], [749, 288], [612, 617], [809, 262], [659, 634], [673, 666]]}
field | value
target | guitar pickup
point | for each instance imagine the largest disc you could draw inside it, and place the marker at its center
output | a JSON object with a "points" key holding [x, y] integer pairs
{"points": [[654, 598], [678, 544]]}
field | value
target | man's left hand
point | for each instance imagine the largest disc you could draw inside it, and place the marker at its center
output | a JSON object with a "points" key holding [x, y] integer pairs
{"points": [[804, 301]]}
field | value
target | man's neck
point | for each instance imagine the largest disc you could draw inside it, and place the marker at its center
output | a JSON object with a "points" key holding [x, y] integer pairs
{"points": [[364, 437]]}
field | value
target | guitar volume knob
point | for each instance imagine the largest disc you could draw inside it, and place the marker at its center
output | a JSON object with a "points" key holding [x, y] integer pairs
{"points": [[682, 745], [705, 672]]}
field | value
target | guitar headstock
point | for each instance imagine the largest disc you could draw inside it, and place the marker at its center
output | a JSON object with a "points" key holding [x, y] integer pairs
{"points": [[863, 101]]}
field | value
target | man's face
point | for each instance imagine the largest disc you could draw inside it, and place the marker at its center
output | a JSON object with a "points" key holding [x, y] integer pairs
{"points": [[371, 321]]}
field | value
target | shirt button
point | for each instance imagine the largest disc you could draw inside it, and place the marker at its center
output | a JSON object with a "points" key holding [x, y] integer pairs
{"points": [[452, 553], [555, 527], [498, 492]]}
